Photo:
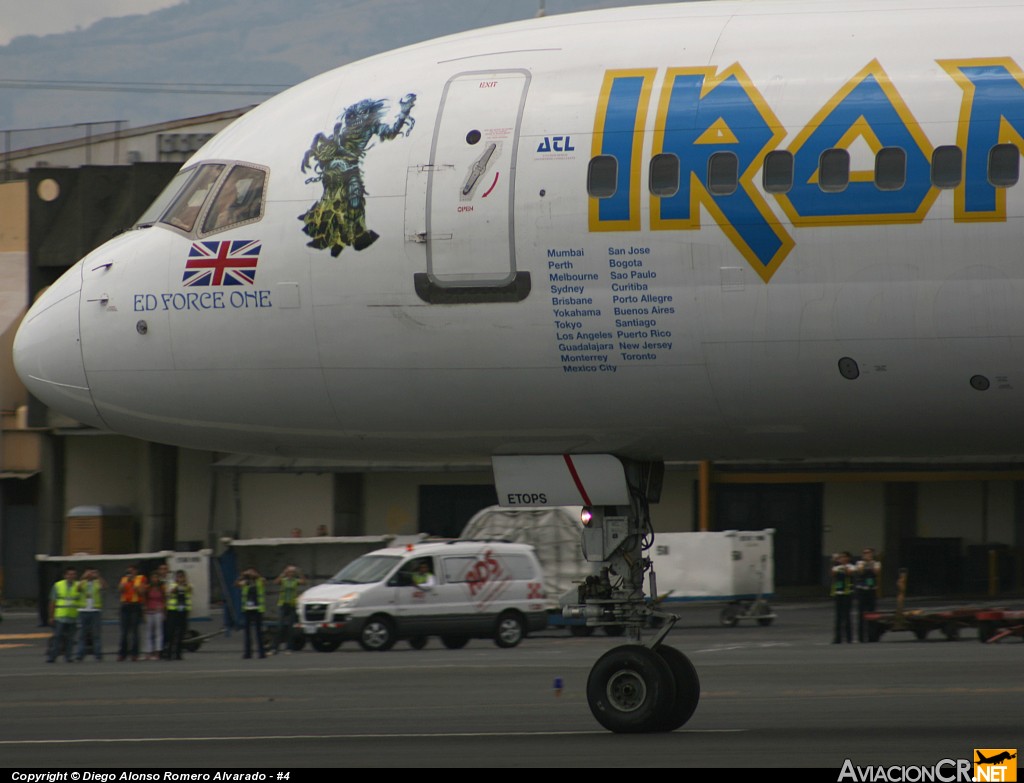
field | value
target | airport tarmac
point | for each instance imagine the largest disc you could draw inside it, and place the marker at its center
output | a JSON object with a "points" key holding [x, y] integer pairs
{"points": [[778, 696]]}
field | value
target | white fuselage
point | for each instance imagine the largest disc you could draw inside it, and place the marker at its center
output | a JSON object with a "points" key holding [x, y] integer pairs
{"points": [[500, 309]]}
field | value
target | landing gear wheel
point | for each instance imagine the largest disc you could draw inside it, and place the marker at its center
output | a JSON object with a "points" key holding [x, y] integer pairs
{"points": [[687, 687], [631, 690], [729, 616], [454, 642], [581, 630], [418, 642], [191, 642], [324, 644], [378, 635], [510, 630]]}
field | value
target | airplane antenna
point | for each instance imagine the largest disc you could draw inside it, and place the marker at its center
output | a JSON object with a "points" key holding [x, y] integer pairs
{"points": [[540, 9]]}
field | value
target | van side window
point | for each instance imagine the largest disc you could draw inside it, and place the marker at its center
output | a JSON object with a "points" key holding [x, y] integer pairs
{"points": [[602, 176], [458, 569]]}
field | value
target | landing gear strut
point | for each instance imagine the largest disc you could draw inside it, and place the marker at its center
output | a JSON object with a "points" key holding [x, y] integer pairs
{"points": [[638, 687]]}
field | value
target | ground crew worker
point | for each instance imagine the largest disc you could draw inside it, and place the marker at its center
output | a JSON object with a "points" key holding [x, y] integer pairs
{"points": [[254, 604], [90, 613], [64, 616], [842, 593], [290, 579], [131, 588], [179, 604], [866, 580]]}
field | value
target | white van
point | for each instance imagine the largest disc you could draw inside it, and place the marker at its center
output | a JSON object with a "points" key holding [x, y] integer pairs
{"points": [[458, 590]]}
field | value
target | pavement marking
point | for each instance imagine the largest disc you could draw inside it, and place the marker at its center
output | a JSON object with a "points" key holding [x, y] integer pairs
{"points": [[292, 737], [7, 637]]}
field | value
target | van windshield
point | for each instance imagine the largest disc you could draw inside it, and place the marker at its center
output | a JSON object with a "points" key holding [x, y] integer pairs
{"points": [[365, 570]]}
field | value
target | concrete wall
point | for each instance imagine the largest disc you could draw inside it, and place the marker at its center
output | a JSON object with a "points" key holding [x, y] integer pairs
{"points": [[275, 503], [391, 500], [853, 517], [674, 513], [957, 509], [104, 470]]}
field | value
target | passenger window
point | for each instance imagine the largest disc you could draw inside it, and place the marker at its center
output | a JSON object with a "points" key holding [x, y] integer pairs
{"points": [[777, 175], [664, 175], [602, 176], [834, 170], [239, 200], [1004, 165], [457, 569], [947, 167], [890, 168], [723, 173], [189, 203]]}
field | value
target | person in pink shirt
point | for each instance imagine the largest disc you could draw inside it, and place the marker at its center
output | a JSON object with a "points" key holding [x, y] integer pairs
{"points": [[154, 608]]}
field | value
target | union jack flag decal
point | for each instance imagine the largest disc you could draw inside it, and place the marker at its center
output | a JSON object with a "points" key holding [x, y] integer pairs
{"points": [[231, 262]]}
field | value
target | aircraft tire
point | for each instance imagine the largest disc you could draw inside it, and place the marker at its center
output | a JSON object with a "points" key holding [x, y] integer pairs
{"points": [[631, 690], [378, 635], [687, 687]]}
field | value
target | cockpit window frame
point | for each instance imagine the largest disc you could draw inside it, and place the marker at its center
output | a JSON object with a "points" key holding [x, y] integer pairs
{"points": [[186, 189], [219, 185], [197, 230]]}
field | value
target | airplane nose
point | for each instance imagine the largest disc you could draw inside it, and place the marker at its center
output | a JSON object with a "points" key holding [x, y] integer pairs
{"points": [[48, 351]]}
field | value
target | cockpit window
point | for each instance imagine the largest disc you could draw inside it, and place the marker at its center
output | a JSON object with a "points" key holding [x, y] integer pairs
{"points": [[189, 203], [156, 209], [239, 199]]}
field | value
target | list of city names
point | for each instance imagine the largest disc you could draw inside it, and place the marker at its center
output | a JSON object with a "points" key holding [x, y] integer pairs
{"points": [[610, 315]]}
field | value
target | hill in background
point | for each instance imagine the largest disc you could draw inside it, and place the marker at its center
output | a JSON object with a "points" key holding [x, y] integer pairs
{"points": [[265, 42]]}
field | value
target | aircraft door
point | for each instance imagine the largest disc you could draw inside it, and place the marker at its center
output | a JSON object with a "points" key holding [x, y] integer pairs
{"points": [[471, 186]]}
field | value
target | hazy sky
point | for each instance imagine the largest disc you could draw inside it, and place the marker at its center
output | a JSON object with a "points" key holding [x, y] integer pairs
{"points": [[39, 17]]}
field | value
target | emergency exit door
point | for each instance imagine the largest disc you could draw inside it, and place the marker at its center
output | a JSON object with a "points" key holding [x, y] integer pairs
{"points": [[470, 192]]}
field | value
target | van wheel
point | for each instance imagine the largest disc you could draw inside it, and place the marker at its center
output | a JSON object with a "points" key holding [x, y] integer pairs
{"points": [[454, 642], [324, 644], [418, 642], [378, 634], [511, 630]]}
